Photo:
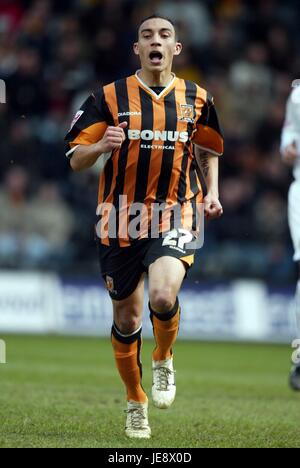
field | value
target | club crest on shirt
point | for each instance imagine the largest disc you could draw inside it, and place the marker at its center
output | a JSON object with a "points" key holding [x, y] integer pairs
{"points": [[187, 113]]}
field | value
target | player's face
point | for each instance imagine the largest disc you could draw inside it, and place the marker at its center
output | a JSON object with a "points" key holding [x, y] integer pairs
{"points": [[157, 45]]}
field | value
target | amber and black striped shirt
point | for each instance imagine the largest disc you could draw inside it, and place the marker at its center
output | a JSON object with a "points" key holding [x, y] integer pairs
{"points": [[155, 163]]}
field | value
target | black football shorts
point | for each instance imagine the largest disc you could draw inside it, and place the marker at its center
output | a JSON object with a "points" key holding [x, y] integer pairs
{"points": [[122, 267]]}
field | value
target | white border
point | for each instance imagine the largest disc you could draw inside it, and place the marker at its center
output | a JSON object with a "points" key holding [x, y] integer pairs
{"points": [[157, 96], [71, 151], [130, 334]]}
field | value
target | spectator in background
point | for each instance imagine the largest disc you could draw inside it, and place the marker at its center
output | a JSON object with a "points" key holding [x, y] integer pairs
{"points": [[26, 86], [14, 204], [71, 65], [8, 56], [50, 225], [186, 67], [34, 231], [20, 147], [35, 27], [251, 85], [192, 18], [11, 13], [280, 48]]}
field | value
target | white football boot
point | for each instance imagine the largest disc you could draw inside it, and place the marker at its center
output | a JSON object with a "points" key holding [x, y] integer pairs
{"points": [[164, 387], [137, 425]]}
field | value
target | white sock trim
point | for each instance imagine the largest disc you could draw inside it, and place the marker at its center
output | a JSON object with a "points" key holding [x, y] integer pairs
{"points": [[126, 336]]}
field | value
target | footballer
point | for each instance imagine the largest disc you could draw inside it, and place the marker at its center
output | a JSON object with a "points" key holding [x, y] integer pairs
{"points": [[145, 128], [290, 150]]}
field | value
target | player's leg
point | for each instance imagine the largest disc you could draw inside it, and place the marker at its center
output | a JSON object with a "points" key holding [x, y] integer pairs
{"points": [[127, 341], [294, 216], [295, 372], [123, 272], [166, 275]]}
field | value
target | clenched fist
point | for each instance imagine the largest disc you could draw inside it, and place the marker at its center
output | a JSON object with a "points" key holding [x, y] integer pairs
{"points": [[113, 138], [212, 207]]}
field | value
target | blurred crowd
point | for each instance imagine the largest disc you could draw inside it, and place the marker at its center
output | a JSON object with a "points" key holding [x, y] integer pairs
{"points": [[54, 53]]}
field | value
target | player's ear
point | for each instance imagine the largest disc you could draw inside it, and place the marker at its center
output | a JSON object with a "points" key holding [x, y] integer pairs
{"points": [[178, 48], [136, 48]]}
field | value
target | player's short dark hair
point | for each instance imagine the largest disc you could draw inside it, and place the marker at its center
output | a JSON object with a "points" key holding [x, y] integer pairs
{"points": [[154, 16]]}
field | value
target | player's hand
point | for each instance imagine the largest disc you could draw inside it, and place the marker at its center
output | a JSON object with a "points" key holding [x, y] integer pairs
{"points": [[290, 154], [113, 138], [212, 207]]}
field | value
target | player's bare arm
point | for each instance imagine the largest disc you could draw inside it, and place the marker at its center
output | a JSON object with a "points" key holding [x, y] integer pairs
{"points": [[86, 156], [209, 165]]}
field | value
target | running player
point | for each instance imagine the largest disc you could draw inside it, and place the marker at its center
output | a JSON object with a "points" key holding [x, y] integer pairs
{"points": [[145, 127], [290, 149]]}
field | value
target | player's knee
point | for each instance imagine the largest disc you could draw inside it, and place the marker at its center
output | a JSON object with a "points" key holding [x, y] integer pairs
{"points": [[129, 326], [162, 300], [128, 320]]}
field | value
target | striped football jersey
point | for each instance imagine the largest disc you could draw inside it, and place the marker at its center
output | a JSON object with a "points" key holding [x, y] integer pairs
{"points": [[155, 163]]}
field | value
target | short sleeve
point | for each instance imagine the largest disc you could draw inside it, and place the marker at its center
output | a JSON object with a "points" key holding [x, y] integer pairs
{"points": [[89, 123], [208, 135]]}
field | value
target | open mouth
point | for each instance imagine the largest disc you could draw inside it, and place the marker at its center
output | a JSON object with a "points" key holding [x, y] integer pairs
{"points": [[155, 57]]}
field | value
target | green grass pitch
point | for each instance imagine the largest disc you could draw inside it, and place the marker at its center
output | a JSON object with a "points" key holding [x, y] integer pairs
{"points": [[65, 392]]}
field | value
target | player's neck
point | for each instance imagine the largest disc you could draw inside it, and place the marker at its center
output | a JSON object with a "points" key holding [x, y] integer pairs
{"points": [[156, 79]]}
